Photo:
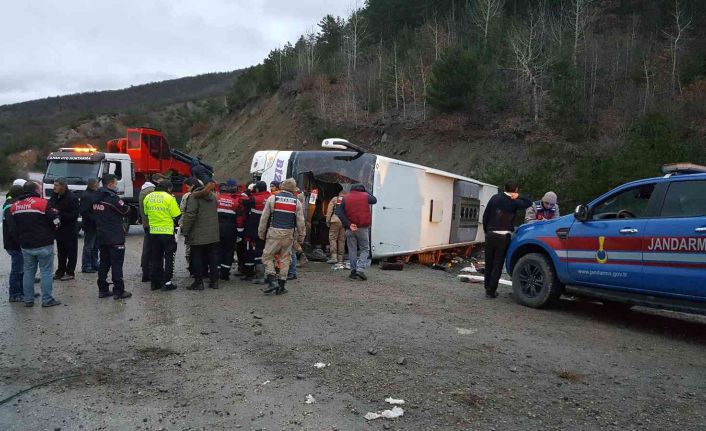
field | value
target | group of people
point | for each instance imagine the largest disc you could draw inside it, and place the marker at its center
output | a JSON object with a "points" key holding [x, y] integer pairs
{"points": [[263, 227], [499, 224], [31, 225]]}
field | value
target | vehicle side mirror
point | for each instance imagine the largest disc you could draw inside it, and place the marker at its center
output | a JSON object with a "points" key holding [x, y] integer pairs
{"points": [[581, 213]]}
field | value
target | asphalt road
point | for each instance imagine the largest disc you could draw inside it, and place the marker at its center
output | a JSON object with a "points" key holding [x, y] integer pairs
{"points": [[235, 359]]}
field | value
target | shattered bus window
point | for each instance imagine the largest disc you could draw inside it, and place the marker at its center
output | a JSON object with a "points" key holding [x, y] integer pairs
{"points": [[327, 168]]}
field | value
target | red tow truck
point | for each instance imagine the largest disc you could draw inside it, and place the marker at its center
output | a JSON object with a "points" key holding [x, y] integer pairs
{"points": [[133, 158]]}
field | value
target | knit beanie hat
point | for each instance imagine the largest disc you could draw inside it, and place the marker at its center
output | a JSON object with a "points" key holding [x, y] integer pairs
{"points": [[550, 198]]}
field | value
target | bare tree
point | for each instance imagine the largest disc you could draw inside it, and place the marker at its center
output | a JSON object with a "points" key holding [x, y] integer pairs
{"points": [[356, 33], [579, 17], [423, 75], [396, 69], [682, 24], [435, 31], [527, 44], [556, 26], [648, 73], [483, 12], [631, 45], [310, 51]]}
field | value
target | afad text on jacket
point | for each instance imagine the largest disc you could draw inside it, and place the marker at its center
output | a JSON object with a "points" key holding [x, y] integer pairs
{"points": [[109, 212]]}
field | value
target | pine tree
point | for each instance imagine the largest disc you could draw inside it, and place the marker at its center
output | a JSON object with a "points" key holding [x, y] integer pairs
{"points": [[454, 81]]}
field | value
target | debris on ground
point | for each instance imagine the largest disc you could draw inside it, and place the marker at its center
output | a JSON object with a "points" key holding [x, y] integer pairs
{"points": [[471, 278], [317, 255], [470, 268], [402, 361], [310, 399], [479, 279], [394, 413], [464, 331], [391, 400], [320, 365]]}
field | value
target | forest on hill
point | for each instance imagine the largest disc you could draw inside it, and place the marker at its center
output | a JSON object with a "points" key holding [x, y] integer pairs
{"points": [[600, 91]]}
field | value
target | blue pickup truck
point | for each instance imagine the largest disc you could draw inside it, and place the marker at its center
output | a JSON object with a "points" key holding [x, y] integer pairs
{"points": [[643, 243]]}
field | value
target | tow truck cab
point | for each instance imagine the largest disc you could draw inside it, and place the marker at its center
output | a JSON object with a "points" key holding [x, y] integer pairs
{"points": [[643, 243], [78, 165]]}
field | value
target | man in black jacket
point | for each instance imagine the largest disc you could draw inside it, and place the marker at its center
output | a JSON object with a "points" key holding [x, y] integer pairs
{"points": [[89, 259], [109, 211], [12, 246], [66, 203], [34, 223], [498, 224]]}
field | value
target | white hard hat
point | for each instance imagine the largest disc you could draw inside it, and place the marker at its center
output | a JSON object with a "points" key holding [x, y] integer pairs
{"points": [[19, 182]]}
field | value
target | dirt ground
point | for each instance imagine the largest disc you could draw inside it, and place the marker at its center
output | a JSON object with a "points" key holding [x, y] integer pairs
{"points": [[235, 359]]}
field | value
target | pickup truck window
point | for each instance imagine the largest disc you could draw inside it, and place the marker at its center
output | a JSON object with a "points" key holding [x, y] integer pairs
{"points": [[685, 199], [631, 203]]}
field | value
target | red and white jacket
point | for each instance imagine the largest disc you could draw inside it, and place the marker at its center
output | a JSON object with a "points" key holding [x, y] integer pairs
{"points": [[33, 221]]}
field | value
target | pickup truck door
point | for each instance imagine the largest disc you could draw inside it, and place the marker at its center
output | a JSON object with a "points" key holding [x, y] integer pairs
{"points": [[606, 250], [675, 242]]}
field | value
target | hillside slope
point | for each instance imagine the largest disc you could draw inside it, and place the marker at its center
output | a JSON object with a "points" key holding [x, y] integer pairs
{"points": [[489, 147], [281, 122], [33, 124]]}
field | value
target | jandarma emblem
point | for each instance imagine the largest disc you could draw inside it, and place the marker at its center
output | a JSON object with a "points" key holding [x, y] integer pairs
{"points": [[601, 254]]}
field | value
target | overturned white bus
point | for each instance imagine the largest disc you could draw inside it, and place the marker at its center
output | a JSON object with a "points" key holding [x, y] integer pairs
{"points": [[419, 209]]}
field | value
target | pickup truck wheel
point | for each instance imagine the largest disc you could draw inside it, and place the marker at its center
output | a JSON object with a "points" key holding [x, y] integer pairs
{"points": [[534, 281]]}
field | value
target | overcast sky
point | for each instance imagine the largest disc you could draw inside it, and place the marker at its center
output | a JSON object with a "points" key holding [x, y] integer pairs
{"points": [[55, 47]]}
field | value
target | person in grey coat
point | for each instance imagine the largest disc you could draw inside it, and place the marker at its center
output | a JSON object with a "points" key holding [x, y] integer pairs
{"points": [[200, 229]]}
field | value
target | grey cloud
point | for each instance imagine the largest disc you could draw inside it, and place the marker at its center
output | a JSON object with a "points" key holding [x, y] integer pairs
{"points": [[59, 47]]}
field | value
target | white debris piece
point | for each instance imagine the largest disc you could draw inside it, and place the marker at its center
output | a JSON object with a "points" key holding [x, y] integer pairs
{"points": [[471, 268], [320, 365], [393, 401], [394, 413], [471, 278], [464, 331], [264, 383], [480, 279], [387, 414], [310, 399]]}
